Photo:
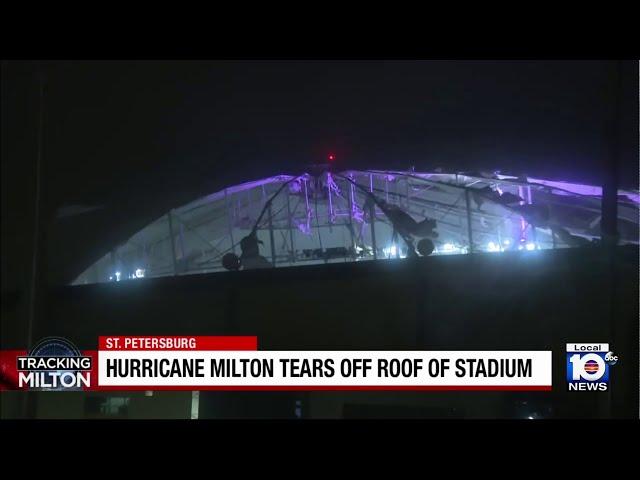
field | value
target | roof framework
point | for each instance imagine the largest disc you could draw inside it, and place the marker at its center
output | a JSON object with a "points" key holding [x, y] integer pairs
{"points": [[325, 218]]}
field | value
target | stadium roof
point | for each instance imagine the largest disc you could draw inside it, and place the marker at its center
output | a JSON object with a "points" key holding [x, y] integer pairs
{"points": [[327, 216]]}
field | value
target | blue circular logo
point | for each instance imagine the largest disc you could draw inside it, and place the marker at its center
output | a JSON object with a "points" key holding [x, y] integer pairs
{"points": [[55, 347]]}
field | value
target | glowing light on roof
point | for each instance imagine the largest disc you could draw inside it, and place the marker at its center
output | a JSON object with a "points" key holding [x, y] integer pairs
{"points": [[391, 251], [493, 247], [449, 248]]}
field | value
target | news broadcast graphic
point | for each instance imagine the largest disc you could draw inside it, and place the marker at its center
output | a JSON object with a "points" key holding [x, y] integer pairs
{"points": [[588, 366], [54, 364], [234, 363]]}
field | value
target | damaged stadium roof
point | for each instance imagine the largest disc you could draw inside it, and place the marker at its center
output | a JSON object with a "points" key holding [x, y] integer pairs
{"points": [[325, 217]]}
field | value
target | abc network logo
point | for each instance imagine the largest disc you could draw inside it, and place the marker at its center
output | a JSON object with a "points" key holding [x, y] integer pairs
{"points": [[588, 366]]}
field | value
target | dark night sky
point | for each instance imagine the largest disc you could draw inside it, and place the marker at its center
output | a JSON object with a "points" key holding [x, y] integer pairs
{"points": [[141, 137]]}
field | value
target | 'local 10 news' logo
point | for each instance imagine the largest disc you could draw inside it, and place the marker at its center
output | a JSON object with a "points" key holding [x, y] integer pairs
{"points": [[588, 366]]}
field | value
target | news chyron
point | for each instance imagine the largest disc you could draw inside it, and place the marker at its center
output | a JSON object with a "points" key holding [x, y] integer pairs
{"points": [[54, 364], [588, 366]]}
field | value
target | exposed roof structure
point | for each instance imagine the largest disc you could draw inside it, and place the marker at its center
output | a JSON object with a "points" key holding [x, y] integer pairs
{"points": [[362, 215]]}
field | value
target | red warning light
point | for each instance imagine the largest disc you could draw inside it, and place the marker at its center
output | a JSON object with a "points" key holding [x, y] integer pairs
{"points": [[331, 157]]}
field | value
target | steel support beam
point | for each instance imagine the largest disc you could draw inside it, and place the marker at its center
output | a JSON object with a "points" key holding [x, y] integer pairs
{"points": [[272, 241], [372, 214], [469, 229], [293, 248], [353, 242]]}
